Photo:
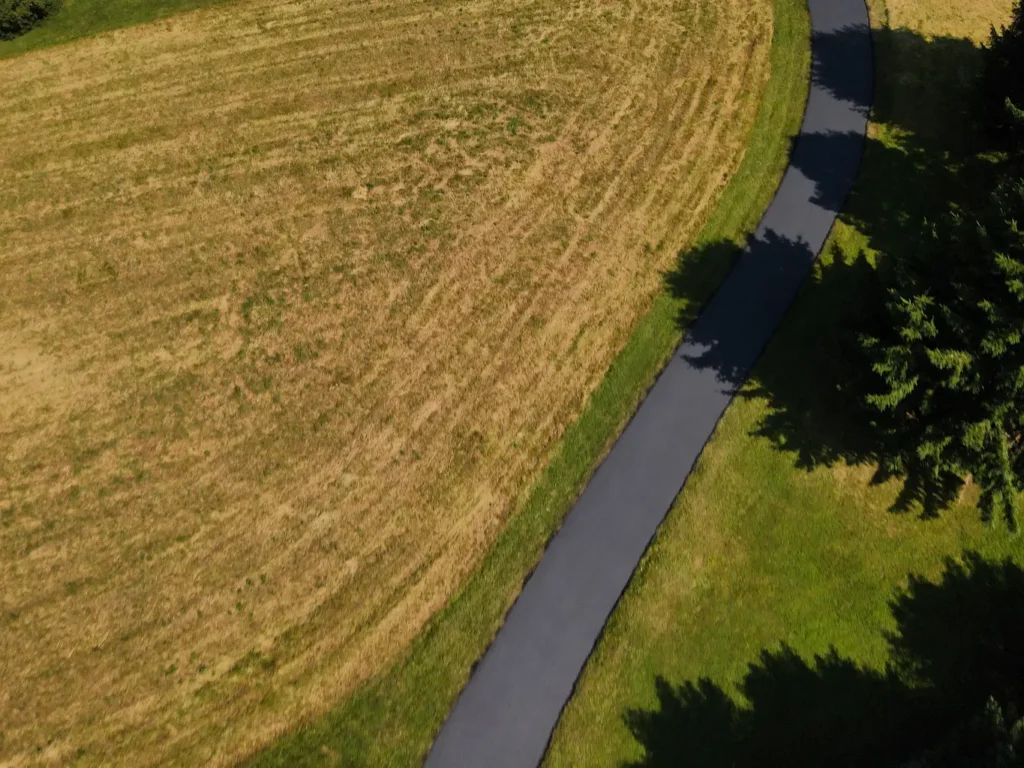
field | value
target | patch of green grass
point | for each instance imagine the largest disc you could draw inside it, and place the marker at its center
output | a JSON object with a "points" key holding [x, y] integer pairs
{"points": [[84, 18], [392, 720], [756, 553], [783, 535]]}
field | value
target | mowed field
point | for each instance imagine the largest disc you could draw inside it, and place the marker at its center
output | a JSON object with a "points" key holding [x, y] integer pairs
{"points": [[297, 299]]}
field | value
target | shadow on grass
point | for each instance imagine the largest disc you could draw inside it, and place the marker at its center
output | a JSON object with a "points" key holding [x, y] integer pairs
{"points": [[924, 159], [957, 642]]}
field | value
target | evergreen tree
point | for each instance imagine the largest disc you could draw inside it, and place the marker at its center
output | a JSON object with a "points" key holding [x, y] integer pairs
{"points": [[1002, 86], [989, 740], [952, 359]]}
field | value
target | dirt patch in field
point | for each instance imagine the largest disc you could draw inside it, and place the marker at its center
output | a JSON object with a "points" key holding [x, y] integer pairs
{"points": [[297, 299]]}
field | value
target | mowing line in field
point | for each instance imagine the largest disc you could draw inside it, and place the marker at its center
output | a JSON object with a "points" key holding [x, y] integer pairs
{"points": [[299, 300]]}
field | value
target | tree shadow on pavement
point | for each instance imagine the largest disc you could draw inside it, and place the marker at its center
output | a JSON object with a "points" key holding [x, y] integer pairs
{"points": [[922, 158], [957, 642], [730, 332]]}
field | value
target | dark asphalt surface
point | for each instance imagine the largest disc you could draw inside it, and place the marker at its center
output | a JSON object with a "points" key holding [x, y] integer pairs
{"points": [[505, 715]]}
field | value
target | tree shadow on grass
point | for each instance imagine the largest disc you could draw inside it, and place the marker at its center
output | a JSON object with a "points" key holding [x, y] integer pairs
{"points": [[925, 86], [964, 635], [957, 642], [924, 159]]}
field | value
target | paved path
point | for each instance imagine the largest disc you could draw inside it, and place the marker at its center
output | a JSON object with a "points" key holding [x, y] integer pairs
{"points": [[505, 715]]}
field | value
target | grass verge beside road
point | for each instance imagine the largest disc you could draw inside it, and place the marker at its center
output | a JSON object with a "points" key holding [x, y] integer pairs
{"points": [[392, 720]]}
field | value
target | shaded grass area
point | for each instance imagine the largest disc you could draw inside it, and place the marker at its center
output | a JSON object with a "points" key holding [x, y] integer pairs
{"points": [[84, 18], [755, 629], [758, 553], [392, 720], [833, 711]]}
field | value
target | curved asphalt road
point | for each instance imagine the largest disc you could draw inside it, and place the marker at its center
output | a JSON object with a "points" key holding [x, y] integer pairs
{"points": [[505, 715]]}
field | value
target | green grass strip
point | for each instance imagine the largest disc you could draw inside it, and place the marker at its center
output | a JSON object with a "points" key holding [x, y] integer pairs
{"points": [[85, 18], [392, 720]]}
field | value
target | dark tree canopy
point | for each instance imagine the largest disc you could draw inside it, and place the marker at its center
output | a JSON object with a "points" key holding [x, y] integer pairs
{"points": [[19, 16], [990, 739], [1002, 87], [951, 360], [949, 352]]}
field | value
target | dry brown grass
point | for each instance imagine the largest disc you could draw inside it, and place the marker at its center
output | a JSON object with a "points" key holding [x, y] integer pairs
{"points": [[952, 18], [297, 298]]}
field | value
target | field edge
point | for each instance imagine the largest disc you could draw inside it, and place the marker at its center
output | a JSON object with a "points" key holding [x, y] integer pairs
{"points": [[392, 719], [85, 19]]}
